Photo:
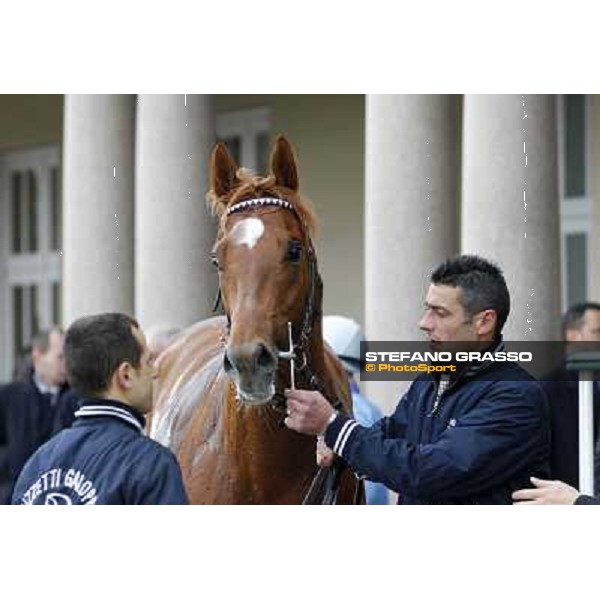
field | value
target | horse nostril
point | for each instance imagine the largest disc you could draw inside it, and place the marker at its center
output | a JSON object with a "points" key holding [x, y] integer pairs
{"points": [[265, 358], [247, 358]]}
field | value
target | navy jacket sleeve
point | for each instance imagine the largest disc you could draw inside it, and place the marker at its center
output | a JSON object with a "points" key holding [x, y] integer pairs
{"points": [[484, 448], [583, 499], [160, 482]]}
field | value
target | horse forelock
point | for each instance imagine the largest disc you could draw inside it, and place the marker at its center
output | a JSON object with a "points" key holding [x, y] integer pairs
{"points": [[255, 186]]}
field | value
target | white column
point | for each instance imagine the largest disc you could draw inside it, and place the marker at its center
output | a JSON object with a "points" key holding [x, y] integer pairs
{"points": [[411, 212], [510, 204], [594, 237], [594, 254], [98, 204], [175, 284]]}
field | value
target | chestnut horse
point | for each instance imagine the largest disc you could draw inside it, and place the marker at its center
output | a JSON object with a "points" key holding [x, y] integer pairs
{"points": [[218, 394]]}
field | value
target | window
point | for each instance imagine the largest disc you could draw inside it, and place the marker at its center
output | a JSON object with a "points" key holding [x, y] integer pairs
{"points": [[576, 261], [24, 205], [575, 203], [246, 134], [15, 199], [56, 302], [26, 317], [55, 210], [30, 243]]}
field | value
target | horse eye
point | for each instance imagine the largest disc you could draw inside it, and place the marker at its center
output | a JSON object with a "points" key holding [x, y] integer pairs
{"points": [[294, 251]]}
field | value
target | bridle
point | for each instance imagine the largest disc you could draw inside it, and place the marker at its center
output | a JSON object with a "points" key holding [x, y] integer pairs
{"points": [[324, 486], [300, 345]]}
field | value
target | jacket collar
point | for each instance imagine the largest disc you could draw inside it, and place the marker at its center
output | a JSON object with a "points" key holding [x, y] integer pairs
{"points": [[471, 369], [44, 388], [96, 407]]}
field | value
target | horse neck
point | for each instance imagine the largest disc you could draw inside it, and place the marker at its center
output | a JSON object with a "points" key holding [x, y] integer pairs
{"points": [[274, 465]]}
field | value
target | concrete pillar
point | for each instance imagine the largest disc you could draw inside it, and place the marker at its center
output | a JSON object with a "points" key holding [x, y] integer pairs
{"points": [[6, 340], [174, 281], [98, 204], [594, 236], [510, 203], [411, 212]]}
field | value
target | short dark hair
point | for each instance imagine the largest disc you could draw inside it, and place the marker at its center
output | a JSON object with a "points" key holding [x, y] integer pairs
{"points": [[94, 348], [573, 318], [481, 282]]}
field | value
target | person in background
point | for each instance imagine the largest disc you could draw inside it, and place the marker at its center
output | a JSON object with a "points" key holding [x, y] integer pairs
{"points": [[581, 323], [35, 408], [344, 336]]}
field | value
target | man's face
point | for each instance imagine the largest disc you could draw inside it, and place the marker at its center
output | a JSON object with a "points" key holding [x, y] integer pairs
{"points": [[141, 391], [589, 329], [50, 365], [445, 319]]}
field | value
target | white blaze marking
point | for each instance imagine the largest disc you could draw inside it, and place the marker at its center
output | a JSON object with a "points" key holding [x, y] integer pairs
{"points": [[248, 232]]}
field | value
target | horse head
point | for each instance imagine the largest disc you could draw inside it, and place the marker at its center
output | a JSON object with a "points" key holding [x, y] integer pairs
{"points": [[267, 268]]}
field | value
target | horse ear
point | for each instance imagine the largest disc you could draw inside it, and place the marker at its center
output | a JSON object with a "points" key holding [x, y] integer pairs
{"points": [[283, 164], [222, 171]]}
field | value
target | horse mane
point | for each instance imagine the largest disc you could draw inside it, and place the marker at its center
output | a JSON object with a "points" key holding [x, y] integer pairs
{"points": [[250, 186]]}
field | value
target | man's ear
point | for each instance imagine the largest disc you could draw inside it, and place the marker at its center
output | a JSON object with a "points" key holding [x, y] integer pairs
{"points": [[486, 322], [122, 376]]}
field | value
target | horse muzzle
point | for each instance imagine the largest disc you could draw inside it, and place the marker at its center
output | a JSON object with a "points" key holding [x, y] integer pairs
{"points": [[252, 367]]}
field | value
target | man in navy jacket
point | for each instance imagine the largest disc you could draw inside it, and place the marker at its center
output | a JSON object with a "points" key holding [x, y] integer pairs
{"points": [[581, 323], [34, 409], [104, 458], [470, 437]]}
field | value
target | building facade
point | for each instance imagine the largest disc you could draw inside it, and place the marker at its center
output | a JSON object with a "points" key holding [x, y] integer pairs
{"points": [[102, 203]]}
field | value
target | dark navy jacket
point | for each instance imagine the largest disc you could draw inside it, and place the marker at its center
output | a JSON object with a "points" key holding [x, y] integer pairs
{"points": [[487, 435], [583, 499], [104, 458], [28, 418]]}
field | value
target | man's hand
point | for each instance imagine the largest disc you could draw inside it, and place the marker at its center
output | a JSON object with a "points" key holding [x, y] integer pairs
{"points": [[308, 411], [546, 492]]}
